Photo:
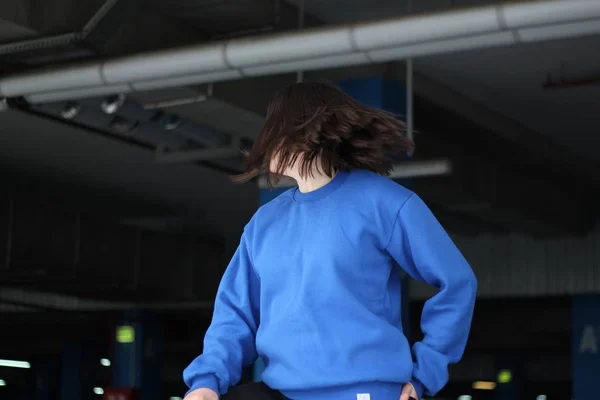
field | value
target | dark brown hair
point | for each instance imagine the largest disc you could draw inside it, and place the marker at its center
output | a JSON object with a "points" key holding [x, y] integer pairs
{"points": [[329, 130]]}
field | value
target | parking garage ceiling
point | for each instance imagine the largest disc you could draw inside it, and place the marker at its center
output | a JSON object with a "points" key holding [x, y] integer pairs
{"points": [[452, 85]]}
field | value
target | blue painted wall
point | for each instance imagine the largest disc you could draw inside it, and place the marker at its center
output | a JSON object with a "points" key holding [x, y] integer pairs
{"points": [[139, 364]]}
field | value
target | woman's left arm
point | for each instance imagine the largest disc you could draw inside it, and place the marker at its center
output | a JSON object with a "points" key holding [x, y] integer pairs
{"points": [[421, 246]]}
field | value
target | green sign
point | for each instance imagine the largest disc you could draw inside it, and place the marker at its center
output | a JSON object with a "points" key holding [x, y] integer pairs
{"points": [[504, 376], [125, 334]]}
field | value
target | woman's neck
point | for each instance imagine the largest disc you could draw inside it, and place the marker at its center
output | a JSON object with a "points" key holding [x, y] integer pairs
{"points": [[311, 183]]}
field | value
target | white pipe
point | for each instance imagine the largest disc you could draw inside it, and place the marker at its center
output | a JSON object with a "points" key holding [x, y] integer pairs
{"points": [[378, 41], [300, 72]]}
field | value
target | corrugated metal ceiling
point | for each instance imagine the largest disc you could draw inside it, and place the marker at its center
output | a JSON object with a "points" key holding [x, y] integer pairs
{"points": [[220, 17], [519, 266], [344, 11]]}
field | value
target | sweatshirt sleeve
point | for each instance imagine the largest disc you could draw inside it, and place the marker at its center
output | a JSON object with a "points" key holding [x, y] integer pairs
{"points": [[229, 343], [425, 251]]}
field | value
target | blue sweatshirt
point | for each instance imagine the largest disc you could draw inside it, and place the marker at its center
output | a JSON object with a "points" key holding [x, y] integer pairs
{"points": [[314, 289]]}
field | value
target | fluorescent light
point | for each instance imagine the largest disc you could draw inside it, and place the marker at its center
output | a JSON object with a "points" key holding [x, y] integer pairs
{"points": [[14, 364], [415, 169], [482, 385], [465, 397], [541, 397], [174, 398], [406, 169], [105, 362], [3, 383], [98, 391]]}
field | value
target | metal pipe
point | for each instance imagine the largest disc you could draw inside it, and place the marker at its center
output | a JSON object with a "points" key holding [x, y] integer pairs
{"points": [[361, 43], [71, 303]]}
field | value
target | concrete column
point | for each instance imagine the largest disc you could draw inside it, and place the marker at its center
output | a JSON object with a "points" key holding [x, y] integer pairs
{"points": [[510, 377], [586, 346], [138, 354], [46, 374]]}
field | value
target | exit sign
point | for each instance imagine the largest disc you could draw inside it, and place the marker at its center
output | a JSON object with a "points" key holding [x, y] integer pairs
{"points": [[125, 334]]}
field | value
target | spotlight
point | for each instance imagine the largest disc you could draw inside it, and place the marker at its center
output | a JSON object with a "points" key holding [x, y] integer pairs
{"points": [[2, 382], [99, 391], [542, 397], [105, 362], [465, 397], [70, 110], [174, 398], [113, 103]]}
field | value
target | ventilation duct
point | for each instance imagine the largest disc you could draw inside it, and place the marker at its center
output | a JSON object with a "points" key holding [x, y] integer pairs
{"points": [[310, 49]]}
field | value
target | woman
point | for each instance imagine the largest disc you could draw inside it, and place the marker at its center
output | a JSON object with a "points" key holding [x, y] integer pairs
{"points": [[314, 286]]}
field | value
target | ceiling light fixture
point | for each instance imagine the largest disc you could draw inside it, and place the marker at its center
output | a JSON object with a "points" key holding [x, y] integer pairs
{"points": [[483, 385], [99, 391], [123, 126], [15, 364], [105, 362], [113, 103], [70, 110]]}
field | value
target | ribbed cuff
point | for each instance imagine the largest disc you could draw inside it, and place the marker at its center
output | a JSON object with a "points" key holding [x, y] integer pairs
{"points": [[205, 381], [419, 388]]}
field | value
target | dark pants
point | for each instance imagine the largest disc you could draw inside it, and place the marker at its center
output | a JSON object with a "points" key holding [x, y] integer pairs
{"points": [[253, 391]]}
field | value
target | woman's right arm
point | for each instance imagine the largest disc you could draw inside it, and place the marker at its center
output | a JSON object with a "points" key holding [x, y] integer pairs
{"points": [[229, 343]]}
